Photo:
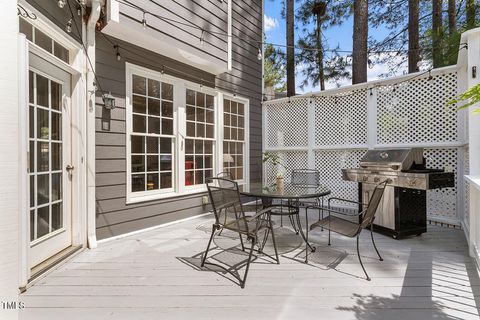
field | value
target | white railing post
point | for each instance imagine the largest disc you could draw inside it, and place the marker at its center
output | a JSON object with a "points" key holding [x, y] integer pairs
{"points": [[311, 133], [372, 94]]}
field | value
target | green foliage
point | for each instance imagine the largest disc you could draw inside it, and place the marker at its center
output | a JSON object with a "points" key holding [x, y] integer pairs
{"points": [[471, 97], [274, 69], [274, 160]]}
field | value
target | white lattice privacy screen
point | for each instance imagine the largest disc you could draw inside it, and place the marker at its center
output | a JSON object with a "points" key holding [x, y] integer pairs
{"points": [[332, 130]]}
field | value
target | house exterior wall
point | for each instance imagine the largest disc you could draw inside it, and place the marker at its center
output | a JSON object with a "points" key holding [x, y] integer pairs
{"points": [[114, 215], [59, 16], [9, 164]]}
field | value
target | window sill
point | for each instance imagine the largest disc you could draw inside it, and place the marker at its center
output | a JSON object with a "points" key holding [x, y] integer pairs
{"points": [[162, 196]]}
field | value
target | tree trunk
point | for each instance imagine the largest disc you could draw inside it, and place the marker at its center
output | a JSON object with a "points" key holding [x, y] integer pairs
{"points": [[437, 33], [470, 8], [360, 36], [452, 17], [321, 73], [413, 36], [290, 49]]}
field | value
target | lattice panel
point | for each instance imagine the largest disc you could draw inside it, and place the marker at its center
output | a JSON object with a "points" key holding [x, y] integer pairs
{"points": [[287, 124], [291, 160], [330, 164], [341, 119], [443, 202], [417, 112], [466, 187]]}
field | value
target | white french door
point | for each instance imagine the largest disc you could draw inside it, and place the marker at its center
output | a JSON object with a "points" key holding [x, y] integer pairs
{"points": [[49, 166]]}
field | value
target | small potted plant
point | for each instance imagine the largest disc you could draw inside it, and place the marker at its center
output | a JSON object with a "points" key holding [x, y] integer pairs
{"points": [[274, 160]]}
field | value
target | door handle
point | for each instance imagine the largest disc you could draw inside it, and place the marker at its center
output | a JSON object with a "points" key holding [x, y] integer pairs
{"points": [[70, 168]]}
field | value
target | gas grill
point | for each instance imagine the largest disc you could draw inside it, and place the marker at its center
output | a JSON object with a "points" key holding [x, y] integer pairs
{"points": [[403, 210]]}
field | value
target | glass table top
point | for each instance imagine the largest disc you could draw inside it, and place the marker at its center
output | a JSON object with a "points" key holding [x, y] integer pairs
{"points": [[289, 191]]}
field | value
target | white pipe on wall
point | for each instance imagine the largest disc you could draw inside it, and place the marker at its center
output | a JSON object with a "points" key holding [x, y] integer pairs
{"points": [[91, 207]]}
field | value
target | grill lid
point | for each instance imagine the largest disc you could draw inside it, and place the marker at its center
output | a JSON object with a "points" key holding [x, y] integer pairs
{"points": [[392, 160]]}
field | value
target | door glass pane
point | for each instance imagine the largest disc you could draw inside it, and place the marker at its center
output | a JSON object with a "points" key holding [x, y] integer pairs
{"points": [[32, 225], [42, 124], [56, 186], [56, 95], [57, 216], [26, 29], [56, 156], [56, 126], [43, 41], [31, 85], [42, 91], [43, 221], [43, 192], [42, 156]]}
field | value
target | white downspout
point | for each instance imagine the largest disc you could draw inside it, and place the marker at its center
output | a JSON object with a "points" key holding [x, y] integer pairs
{"points": [[90, 44]]}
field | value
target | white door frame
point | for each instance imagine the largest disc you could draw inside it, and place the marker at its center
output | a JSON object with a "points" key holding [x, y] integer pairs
{"points": [[78, 106]]}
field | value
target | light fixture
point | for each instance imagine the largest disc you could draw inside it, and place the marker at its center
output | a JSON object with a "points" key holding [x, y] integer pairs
{"points": [[119, 57], [108, 101], [144, 21], [69, 26], [202, 39], [83, 2], [430, 77], [61, 3], [259, 55], [79, 11]]}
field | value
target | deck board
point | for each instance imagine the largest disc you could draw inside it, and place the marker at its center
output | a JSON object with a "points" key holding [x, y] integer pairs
{"points": [[155, 275]]}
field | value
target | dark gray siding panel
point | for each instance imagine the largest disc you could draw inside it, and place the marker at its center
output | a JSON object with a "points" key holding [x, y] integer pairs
{"points": [[208, 15], [59, 16], [245, 79], [114, 216]]}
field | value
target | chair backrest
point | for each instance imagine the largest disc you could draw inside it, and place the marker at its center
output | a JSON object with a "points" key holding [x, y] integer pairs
{"points": [[225, 199], [305, 177], [225, 174], [369, 214]]}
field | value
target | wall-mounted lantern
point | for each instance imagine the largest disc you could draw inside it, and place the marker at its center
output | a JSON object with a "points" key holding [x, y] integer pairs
{"points": [[108, 101]]}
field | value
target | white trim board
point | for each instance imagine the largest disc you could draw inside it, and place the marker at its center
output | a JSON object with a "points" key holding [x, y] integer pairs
{"points": [[129, 234]]}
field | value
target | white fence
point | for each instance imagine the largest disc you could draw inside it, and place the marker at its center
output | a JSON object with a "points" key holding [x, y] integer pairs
{"points": [[331, 130]]}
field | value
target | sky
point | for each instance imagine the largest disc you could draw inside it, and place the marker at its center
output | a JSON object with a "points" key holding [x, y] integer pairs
{"points": [[340, 35]]}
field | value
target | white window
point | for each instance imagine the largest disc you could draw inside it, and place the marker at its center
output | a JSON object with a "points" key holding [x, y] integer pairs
{"points": [[174, 142], [234, 138], [199, 143]]}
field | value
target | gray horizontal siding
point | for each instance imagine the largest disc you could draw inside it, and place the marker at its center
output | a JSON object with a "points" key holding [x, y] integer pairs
{"points": [[114, 216], [59, 16], [208, 15]]}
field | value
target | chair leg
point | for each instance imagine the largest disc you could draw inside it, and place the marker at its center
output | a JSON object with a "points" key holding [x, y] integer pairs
{"points": [[360, 259], [306, 235], [241, 241], [248, 263], [373, 241], [273, 239], [208, 246], [329, 236]]}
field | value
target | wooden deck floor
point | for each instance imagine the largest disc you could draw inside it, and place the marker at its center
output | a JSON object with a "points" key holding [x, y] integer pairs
{"points": [[155, 275]]}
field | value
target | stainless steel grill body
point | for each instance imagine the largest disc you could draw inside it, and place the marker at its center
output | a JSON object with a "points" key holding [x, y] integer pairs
{"points": [[403, 209]]}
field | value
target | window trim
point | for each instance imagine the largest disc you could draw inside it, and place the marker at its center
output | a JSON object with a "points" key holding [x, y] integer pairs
{"points": [[246, 157]]}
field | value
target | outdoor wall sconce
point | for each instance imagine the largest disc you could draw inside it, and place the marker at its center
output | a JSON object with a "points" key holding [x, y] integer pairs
{"points": [[108, 101]]}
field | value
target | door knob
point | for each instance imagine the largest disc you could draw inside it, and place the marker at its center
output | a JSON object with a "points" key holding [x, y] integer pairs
{"points": [[70, 168]]}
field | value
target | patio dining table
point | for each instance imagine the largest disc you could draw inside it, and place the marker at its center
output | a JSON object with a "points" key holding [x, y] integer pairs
{"points": [[292, 193]]}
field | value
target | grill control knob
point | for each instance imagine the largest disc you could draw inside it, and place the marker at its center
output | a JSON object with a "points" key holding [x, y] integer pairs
{"points": [[376, 179], [412, 182], [365, 179]]}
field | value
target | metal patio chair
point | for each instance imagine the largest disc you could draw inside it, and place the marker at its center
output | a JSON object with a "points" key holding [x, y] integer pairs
{"points": [[302, 177], [230, 215], [346, 227]]}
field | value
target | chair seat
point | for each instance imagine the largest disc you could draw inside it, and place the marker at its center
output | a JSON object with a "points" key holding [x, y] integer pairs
{"points": [[338, 225], [239, 226]]}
